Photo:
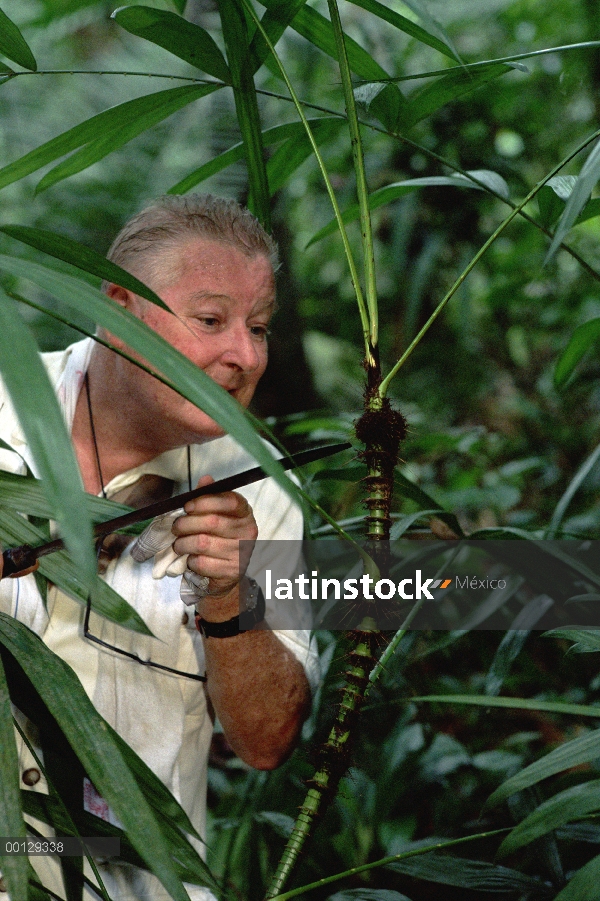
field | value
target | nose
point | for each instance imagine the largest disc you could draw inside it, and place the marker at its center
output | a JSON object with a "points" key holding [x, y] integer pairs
{"points": [[242, 350]]}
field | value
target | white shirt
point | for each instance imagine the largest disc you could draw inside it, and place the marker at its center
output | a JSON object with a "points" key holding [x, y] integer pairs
{"points": [[164, 718]]}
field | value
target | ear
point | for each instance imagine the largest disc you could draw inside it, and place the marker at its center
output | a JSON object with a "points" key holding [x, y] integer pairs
{"points": [[121, 295], [126, 299]]}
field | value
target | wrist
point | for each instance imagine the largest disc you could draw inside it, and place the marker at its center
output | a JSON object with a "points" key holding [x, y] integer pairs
{"points": [[250, 611]]}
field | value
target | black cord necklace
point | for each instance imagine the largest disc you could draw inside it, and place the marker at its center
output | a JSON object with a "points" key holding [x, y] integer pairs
{"points": [[93, 431]]}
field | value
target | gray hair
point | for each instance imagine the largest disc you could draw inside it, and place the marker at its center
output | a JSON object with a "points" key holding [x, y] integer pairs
{"points": [[149, 245]]}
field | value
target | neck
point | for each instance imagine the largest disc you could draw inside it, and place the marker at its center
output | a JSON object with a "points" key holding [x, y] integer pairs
{"points": [[117, 436]]}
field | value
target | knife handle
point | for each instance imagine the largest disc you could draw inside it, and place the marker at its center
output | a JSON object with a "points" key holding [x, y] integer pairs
{"points": [[17, 559]]}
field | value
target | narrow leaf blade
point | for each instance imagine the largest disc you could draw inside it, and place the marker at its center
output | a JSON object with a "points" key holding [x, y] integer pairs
{"points": [[86, 732], [61, 571], [107, 121], [311, 25], [395, 191], [183, 39], [42, 421], [13, 44], [63, 248], [582, 189], [582, 339], [572, 753], [15, 867], [124, 128], [573, 803], [235, 153], [449, 88], [406, 25]]}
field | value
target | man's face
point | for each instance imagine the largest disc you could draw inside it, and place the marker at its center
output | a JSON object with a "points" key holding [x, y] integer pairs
{"points": [[223, 301]]}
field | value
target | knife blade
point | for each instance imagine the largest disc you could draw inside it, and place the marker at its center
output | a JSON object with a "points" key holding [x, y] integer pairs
{"points": [[25, 556]]}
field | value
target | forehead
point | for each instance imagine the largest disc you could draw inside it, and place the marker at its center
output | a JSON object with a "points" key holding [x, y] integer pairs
{"points": [[208, 268]]}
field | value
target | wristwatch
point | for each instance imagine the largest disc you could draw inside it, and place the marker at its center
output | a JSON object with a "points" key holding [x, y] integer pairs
{"points": [[243, 622]]}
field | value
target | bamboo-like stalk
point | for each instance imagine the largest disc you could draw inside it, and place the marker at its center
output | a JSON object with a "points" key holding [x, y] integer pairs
{"points": [[380, 429]]}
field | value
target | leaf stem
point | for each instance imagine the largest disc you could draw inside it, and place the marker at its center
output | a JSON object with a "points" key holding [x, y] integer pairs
{"points": [[462, 277], [359, 170], [384, 861]]}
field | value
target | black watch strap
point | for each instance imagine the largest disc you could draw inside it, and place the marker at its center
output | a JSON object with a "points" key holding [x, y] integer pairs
{"points": [[243, 622]]}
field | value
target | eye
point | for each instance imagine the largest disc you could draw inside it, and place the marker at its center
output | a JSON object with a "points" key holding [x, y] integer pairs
{"points": [[210, 322], [259, 331]]}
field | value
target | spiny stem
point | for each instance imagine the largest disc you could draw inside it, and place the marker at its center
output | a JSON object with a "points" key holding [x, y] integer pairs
{"points": [[359, 169], [393, 372], [364, 316], [333, 755]]}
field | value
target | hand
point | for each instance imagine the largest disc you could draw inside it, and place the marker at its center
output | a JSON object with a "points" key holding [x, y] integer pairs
{"points": [[210, 533]]}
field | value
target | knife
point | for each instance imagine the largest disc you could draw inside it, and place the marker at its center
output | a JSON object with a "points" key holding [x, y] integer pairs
{"points": [[17, 559]]}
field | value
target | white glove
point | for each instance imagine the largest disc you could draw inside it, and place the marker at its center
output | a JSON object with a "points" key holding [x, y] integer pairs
{"points": [[157, 541]]}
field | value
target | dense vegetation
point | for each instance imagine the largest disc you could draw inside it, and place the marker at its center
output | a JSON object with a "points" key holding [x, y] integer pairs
{"points": [[502, 423]]}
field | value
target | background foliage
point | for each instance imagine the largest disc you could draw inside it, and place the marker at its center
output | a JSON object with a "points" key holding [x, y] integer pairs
{"points": [[492, 439]]}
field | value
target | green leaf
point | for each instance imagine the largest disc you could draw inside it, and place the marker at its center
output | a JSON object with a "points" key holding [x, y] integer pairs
{"points": [[318, 30], [590, 211], [294, 131], [573, 803], [15, 867], [186, 862], [448, 89], [275, 21], [382, 101], [584, 884], [508, 650], [512, 704], [115, 126], [42, 422], [180, 372], [573, 487], [61, 571], [124, 130], [392, 192], [13, 44], [587, 641], [296, 150], [155, 791], [580, 194], [235, 35], [572, 753], [553, 196], [87, 733], [405, 522], [582, 339], [26, 494], [62, 248], [185, 40], [406, 25], [469, 874]]}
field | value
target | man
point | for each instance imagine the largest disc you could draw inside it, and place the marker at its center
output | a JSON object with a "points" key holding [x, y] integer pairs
{"points": [[213, 265]]}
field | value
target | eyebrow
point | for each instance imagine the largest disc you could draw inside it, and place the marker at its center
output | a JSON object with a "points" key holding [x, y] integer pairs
{"points": [[209, 295]]}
